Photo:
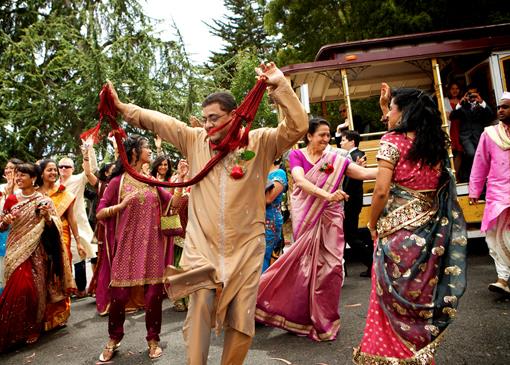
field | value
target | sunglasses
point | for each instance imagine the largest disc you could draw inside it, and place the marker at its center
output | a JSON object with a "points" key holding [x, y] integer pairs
{"points": [[65, 167]]}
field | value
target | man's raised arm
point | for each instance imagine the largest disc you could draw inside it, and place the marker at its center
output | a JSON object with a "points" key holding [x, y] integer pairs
{"points": [[295, 120], [168, 128]]}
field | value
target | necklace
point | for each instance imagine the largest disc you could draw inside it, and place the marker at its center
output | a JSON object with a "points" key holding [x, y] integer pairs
{"points": [[28, 196]]}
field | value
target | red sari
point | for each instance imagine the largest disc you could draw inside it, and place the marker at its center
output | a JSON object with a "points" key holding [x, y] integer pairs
{"points": [[419, 263], [36, 272]]}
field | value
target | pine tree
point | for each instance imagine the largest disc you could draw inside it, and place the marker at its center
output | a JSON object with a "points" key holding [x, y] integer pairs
{"points": [[55, 56], [241, 29]]}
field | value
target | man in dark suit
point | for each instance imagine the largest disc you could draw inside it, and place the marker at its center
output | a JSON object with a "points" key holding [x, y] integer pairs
{"points": [[474, 115], [352, 207]]}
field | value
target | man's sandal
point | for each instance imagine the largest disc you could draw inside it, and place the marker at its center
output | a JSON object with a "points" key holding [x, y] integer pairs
{"points": [[108, 351], [154, 350]]}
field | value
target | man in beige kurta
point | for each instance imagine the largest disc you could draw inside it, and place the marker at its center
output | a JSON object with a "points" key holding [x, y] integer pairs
{"points": [[225, 244]]}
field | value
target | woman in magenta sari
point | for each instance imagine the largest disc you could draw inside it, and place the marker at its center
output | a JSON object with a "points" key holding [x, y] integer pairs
{"points": [[300, 292], [419, 266], [37, 265], [131, 212]]}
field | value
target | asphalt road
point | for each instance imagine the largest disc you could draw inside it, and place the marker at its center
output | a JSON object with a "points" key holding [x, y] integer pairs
{"points": [[479, 336]]}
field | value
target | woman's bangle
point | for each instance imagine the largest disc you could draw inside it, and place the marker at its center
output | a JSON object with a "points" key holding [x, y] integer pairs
{"points": [[314, 191], [370, 228]]}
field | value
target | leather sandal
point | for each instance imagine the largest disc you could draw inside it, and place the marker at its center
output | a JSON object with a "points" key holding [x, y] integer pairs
{"points": [[154, 350], [108, 351]]}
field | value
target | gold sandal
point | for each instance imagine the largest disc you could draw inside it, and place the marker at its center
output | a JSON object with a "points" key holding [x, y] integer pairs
{"points": [[179, 306], [154, 350], [108, 351]]}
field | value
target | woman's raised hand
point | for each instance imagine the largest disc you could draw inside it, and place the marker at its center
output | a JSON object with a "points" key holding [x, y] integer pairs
{"points": [[385, 97], [182, 169]]}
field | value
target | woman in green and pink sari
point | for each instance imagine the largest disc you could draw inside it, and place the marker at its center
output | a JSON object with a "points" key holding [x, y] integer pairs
{"points": [[300, 292]]}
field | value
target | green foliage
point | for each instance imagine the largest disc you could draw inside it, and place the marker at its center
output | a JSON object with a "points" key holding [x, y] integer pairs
{"points": [[305, 26], [56, 56], [244, 80], [241, 28]]}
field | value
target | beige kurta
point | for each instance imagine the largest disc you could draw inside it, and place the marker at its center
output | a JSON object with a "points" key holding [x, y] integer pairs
{"points": [[225, 244]]}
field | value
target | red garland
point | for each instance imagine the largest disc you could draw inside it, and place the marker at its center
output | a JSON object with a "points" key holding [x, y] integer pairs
{"points": [[233, 140]]}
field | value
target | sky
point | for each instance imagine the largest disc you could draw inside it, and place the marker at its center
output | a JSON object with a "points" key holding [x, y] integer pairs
{"points": [[189, 15]]}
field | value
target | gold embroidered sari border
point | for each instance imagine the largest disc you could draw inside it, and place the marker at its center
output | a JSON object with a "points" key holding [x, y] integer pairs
{"points": [[425, 356], [282, 322]]}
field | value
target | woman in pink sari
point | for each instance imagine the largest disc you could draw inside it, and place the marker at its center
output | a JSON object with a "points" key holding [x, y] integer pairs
{"points": [[135, 247], [419, 266], [300, 292]]}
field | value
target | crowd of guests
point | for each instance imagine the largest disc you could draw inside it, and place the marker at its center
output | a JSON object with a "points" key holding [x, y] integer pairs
{"points": [[419, 236]]}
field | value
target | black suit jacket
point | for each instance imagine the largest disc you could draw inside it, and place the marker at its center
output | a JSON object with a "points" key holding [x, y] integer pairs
{"points": [[351, 186]]}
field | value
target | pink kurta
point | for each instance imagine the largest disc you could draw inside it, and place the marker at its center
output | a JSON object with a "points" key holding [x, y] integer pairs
{"points": [[138, 251], [491, 165]]}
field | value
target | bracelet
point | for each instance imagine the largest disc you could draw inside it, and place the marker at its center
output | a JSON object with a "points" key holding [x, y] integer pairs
{"points": [[370, 227], [314, 190]]}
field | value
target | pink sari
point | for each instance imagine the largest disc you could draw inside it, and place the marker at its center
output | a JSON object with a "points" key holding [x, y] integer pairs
{"points": [[300, 292]]}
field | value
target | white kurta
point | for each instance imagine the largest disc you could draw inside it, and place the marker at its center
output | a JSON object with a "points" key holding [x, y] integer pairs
{"points": [[76, 185]]}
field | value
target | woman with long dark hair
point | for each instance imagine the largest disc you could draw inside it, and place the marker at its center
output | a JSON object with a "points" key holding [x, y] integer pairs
{"points": [[419, 265], [131, 211], [58, 313], [161, 168]]}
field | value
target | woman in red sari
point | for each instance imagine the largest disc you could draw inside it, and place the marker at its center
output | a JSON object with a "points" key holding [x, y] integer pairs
{"points": [[37, 267], [419, 266]]}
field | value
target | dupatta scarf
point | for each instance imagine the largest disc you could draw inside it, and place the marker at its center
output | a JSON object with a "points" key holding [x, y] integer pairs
{"points": [[420, 263]]}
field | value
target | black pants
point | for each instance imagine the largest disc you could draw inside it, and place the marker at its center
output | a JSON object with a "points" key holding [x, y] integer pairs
{"points": [[361, 248], [80, 275]]}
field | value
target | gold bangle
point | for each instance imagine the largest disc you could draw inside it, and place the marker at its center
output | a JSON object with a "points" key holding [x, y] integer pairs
{"points": [[370, 227], [314, 190]]}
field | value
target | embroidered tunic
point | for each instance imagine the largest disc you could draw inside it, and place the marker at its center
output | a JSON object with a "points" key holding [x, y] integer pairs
{"points": [[225, 233]]}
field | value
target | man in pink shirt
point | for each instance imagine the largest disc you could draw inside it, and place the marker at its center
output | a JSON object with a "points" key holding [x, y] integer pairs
{"points": [[492, 165]]}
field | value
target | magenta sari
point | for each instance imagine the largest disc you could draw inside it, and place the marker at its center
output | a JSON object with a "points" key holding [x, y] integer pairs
{"points": [[300, 292]]}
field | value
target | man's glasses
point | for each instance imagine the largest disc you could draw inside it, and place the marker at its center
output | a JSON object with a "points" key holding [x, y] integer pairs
{"points": [[213, 118], [65, 167], [343, 110]]}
